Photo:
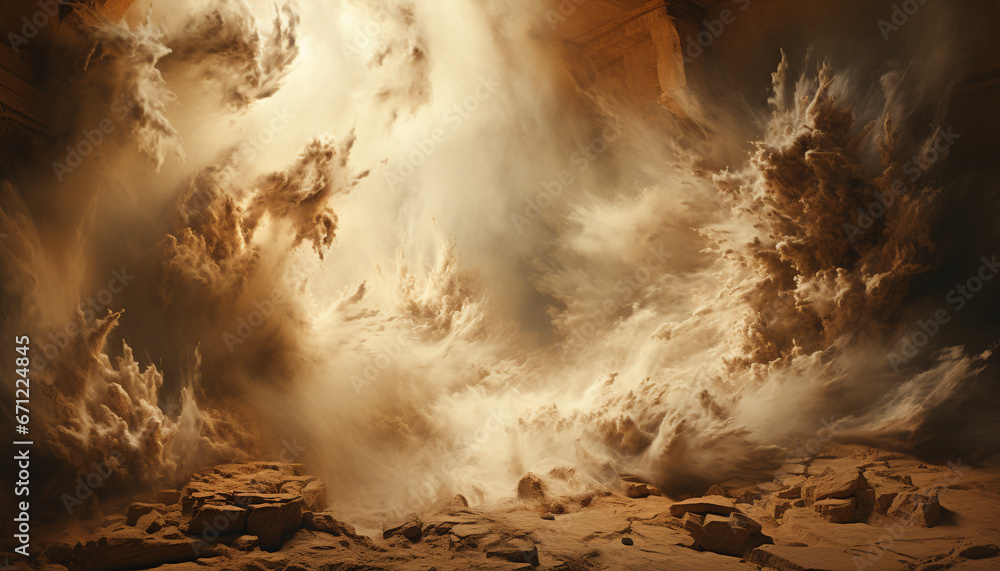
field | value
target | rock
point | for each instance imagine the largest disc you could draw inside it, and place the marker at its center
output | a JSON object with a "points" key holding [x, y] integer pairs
{"points": [[980, 552], [150, 523], [173, 519], [515, 551], [865, 500], [716, 490], [636, 491], [314, 496], [139, 509], [549, 517], [113, 519], [915, 508], [250, 498], [218, 520], [172, 532], [627, 541], [554, 507], [732, 535], [448, 506], [793, 493], [883, 500], [168, 497], [326, 523], [57, 552], [794, 469], [787, 558], [246, 543], [837, 511], [291, 514], [749, 497], [467, 530], [192, 502], [134, 549], [530, 487], [717, 505], [409, 527], [266, 521], [779, 508], [839, 485]]}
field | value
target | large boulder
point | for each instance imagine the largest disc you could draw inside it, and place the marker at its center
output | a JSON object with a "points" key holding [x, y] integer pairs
{"points": [[530, 487], [266, 521], [215, 520], [314, 495], [131, 548], [837, 511], [734, 535], [637, 491], [916, 508], [839, 485], [139, 509], [150, 523], [409, 527], [326, 523], [449, 506], [246, 543], [515, 551]]}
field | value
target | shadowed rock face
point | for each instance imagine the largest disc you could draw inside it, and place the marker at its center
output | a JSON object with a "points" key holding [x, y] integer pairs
{"points": [[258, 515]]}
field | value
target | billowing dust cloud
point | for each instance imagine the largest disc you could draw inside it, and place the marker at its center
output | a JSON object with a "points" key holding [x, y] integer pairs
{"points": [[330, 215]]}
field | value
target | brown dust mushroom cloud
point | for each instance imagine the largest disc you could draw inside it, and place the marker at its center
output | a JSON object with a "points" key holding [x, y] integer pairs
{"points": [[330, 215]]}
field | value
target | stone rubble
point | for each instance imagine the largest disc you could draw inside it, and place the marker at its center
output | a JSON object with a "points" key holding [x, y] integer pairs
{"points": [[853, 508]]}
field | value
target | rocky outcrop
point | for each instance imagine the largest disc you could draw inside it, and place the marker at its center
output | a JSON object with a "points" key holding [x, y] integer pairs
{"points": [[839, 496], [250, 506], [915, 508], [236, 513], [734, 535], [786, 558], [717, 505], [409, 527], [515, 551], [530, 487], [139, 509]]}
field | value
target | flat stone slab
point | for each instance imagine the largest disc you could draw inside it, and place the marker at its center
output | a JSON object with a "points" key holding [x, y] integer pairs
{"points": [[839, 485], [717, 505], [784, 558]]}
